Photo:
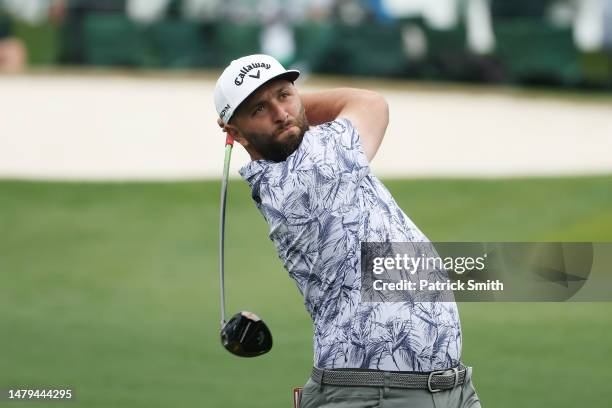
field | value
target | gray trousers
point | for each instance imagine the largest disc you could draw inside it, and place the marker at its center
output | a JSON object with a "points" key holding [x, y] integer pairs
{"points": [[328, 396]]}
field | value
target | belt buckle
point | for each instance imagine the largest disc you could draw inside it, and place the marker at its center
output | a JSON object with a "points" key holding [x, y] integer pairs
{"points": [[429, 381], [456, 375], [456, 371]]}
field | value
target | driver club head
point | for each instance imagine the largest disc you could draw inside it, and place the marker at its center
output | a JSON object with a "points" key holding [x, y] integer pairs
{"points": [[246, 335]]}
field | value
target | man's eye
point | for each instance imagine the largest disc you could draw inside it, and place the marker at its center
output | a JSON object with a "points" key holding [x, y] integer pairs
{"points": [[258, 109]]}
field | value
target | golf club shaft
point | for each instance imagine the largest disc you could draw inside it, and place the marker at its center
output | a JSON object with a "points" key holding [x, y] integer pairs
{"points": [[229, 142]]}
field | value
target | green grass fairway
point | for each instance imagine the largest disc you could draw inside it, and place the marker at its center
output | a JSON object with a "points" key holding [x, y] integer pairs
{"points": [[112, 289]]}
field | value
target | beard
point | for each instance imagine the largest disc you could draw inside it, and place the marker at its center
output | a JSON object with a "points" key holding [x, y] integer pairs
{"points": [[270, 148]]}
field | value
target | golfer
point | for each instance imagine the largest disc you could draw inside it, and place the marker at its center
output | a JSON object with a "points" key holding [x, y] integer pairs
{"points": [[310, 178]]}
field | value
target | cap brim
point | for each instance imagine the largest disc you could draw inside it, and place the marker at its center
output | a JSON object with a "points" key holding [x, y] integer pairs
{"points": [[290, 74]]}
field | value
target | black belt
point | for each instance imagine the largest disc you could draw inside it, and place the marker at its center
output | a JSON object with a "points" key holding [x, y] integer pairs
{"points": [[433, 381]]}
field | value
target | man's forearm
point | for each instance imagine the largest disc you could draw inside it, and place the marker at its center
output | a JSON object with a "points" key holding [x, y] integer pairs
{"points": [[325, 106], [367, 110]]}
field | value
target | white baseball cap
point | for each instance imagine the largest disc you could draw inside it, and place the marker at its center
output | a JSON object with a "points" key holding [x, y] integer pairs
{"points": [[242, 77]]}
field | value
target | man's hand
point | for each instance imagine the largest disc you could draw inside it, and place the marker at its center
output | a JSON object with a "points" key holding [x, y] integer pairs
{"points": [[367, 110], [225, 128]]}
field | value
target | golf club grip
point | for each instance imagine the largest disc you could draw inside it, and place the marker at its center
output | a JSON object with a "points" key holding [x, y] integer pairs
{"points": [[226, 165]]}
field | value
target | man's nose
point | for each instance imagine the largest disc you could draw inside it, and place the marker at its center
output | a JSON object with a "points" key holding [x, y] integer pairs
{"points": [[279, 114]]}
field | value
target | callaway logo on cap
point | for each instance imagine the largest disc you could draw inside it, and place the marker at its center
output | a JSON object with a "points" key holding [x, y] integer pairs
{"points": [[242, 77]]}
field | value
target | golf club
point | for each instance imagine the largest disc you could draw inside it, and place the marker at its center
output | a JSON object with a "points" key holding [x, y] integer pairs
{"points": [[245, 334]]}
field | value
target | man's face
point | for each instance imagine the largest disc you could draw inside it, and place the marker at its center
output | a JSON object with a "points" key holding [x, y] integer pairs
{"points": [[271, 122]]}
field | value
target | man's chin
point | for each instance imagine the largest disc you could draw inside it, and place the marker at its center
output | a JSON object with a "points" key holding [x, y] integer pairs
{"points": [[287, 148], [296, 139], [284, 145]]}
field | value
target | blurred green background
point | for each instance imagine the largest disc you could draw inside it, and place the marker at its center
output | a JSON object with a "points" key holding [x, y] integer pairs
{"points": [[112, 289], [561, 43]]}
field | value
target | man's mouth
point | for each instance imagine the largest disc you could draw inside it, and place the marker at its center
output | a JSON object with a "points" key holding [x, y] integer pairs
{"points": [[285, 129]]}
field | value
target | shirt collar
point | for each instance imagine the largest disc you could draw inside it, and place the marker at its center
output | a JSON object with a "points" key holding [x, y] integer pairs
{"points": [[253, 168]]}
